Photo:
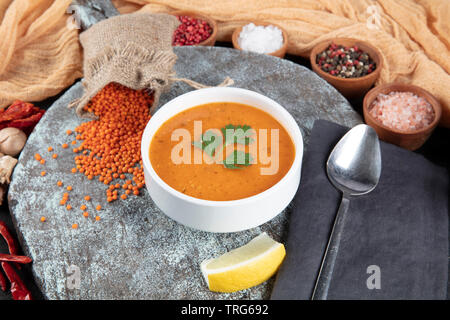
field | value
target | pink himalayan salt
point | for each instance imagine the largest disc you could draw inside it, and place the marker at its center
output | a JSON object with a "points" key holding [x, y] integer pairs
{"points": [[403, 111]]}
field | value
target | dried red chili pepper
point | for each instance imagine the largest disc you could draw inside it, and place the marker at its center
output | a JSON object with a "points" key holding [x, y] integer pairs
{"points": [[2, 282], [12, 246], [18, 110], [18, 289], [14, 258], [21, 115], [27, 124]]}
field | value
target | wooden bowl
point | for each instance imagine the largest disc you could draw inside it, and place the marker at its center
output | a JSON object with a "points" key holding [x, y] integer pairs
{"points": [[280, 53], [409, 140], [212, 38], [348, 87]]}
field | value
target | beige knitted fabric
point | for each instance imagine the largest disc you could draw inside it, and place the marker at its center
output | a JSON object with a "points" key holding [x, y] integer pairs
{"points": [[413, 35], [134, 50], [39, 55]]}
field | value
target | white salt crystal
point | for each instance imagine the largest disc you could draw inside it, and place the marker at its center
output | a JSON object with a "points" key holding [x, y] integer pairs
{"points": [[260, 39]]}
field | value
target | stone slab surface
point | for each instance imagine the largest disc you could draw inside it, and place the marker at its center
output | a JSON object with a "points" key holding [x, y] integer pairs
{"points": [[135, 251]]}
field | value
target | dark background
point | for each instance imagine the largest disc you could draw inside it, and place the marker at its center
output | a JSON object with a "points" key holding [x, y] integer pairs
{"points": [[436, 149]]}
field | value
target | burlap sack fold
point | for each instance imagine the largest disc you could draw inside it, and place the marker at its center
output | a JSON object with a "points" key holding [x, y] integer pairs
{"points": [[134, 50]]}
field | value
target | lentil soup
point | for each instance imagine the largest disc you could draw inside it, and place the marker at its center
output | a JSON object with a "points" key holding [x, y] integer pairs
{"points": [[215, 181]]}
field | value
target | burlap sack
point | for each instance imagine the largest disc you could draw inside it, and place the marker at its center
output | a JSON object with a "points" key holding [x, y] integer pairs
{"points": [[134, 50]]}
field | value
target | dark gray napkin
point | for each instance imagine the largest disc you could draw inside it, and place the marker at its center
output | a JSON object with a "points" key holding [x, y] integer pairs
{"points": [[401, 228]]}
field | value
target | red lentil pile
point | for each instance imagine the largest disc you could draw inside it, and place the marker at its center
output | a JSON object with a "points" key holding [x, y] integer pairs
{"points": [[191, 31], [110, 147]]}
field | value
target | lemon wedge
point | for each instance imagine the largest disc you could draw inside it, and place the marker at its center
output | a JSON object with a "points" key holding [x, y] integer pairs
{"points": [[244, 267]]}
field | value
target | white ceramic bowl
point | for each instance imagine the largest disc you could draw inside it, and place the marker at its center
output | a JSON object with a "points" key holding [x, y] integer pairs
{"points": [[222, 216]]}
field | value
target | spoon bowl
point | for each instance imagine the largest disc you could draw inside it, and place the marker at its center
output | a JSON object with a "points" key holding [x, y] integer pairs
{"points": [[353, 167]]}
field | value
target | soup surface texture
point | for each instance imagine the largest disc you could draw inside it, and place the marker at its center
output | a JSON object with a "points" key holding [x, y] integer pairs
{"points": [[215, 181]]}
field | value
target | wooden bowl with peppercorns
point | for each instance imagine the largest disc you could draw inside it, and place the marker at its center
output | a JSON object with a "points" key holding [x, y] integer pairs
{"points": [[186, 37], [411, 125], [351, 66]]}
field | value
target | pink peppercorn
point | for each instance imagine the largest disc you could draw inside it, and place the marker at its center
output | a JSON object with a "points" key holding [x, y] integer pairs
{"points": [[191, 31]]}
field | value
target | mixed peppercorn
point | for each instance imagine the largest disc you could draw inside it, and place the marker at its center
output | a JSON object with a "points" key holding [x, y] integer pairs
{"points": [[191, 31], [345, 62]]}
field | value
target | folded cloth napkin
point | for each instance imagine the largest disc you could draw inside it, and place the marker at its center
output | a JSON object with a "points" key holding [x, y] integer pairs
{"points": [[395, 240]]}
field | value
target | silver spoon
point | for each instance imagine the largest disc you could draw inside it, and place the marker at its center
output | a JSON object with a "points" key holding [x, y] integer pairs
{"points": [[354, 167]]}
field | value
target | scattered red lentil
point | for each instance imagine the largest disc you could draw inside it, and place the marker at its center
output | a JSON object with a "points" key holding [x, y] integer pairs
{"points": [[110, 145]]}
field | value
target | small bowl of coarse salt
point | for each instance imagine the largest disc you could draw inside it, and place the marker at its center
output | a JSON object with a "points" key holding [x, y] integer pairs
{"points": [[261, 37], [402, 114]]}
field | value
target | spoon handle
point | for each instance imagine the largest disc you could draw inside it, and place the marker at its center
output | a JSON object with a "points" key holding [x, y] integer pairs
{"points": [[326, 269]]}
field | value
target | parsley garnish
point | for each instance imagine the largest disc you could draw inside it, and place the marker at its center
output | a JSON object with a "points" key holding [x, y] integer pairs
{"points": [[238, 134], [238, 160], [205, 143]]}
